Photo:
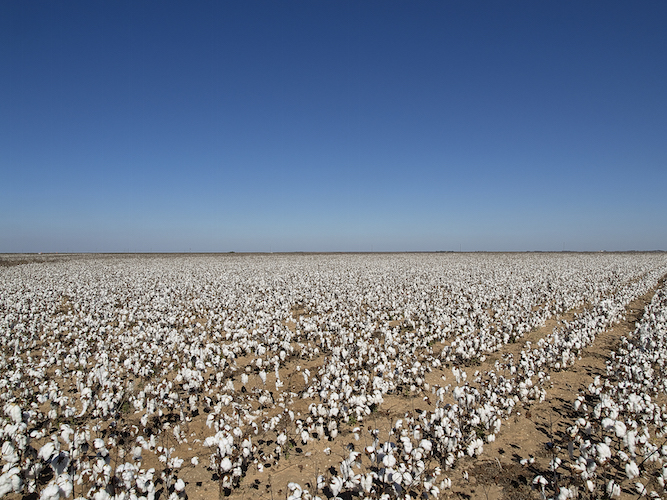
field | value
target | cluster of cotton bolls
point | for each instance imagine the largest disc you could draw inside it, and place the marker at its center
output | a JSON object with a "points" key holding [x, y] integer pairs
{"points": [[619, 440], [119, 373]]}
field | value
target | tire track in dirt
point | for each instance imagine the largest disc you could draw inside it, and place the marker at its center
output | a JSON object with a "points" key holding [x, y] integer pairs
{"points": [[539, 430]]}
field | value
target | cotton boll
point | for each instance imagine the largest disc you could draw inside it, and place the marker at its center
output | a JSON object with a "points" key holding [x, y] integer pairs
{"points": [[9, 452], [603, 452], [426, 445], [631, 469], [47, 451], [620, 429], [11, 481], [540, 480], [640, 488], [226, 464], [566, 493], [366, 482], [65, 485], [14, 412], [51, 492], [281, 439], [336, 485]]}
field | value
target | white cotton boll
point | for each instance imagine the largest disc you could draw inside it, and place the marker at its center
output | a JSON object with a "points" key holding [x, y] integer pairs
{"points": [[9, 452], [226, 464], [296, 491], [345, 470], [603, 452], [336, 485], [540, 480], [389, 460], [14, 412], [262, 375], [64, 482], [426, 445], [47, 451], [101, 495], [11, 481], [244, 378], [565, 493], [620, 429], [476, 447], [613, 489], [366, 482], [51, 492], [640, 488], [180, 485], [631, 470], [630, 440], [281, 439], [304, 436], [608, 423]]}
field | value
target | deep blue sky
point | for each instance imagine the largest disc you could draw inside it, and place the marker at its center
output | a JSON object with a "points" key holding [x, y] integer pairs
{"points": [[332, 125]]}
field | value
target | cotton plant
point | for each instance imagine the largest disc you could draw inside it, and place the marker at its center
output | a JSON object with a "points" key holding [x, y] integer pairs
{"points": [[173, 339]]}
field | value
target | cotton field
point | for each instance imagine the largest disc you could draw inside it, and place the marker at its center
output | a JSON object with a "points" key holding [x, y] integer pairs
{"points": [[338, 375]]}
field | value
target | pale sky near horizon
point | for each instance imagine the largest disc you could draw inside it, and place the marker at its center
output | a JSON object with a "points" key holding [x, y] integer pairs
{"points": [[332, 126]]}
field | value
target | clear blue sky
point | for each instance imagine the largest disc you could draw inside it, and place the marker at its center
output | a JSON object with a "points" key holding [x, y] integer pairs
{"points": [[332, 125]]}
